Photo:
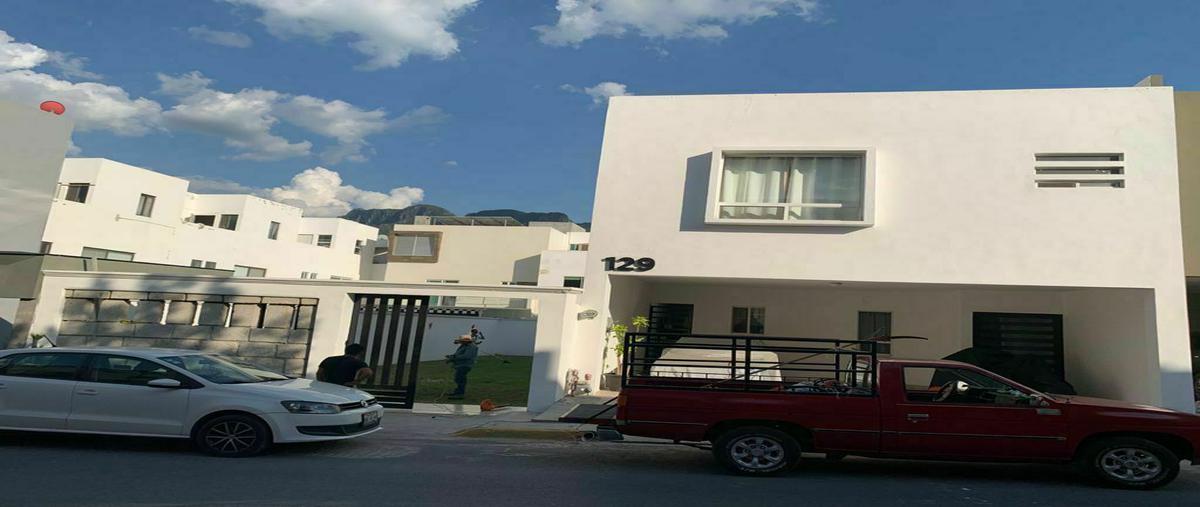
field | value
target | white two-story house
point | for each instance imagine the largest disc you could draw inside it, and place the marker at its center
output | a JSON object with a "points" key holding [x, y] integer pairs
{"points": [[1041, 223], [110, 210]]}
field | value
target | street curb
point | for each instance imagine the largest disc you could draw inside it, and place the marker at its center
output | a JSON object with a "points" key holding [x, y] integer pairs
{"points": [[564, 435]]}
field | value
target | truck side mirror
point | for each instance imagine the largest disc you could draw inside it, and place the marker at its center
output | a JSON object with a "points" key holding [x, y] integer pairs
{"points": [[961, 387]]}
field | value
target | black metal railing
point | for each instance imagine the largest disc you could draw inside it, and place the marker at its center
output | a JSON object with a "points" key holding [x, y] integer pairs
{"points": [[748, 363]]}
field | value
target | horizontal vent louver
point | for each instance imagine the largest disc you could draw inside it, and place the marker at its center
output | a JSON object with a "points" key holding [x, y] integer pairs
{"points": [[1078, 170]]}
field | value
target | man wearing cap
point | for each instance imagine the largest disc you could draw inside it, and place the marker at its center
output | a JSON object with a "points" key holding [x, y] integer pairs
{"points": [[462, 360]]}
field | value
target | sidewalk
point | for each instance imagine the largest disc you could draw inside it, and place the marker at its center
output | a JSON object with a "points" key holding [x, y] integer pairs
{"points": [[442, 420]]}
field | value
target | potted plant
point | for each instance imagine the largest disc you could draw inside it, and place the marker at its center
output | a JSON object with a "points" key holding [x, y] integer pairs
{"points": [[615, 343]]}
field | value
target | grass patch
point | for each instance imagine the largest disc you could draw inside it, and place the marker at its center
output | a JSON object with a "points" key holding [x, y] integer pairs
{"points": [[502, 379]]}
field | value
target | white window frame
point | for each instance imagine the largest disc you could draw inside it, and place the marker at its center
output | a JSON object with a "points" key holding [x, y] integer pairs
{"points": [[712, 214]]}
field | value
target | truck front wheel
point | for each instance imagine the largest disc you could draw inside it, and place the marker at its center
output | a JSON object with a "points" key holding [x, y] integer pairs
{"points": [[756, 450], [1131, 462]]}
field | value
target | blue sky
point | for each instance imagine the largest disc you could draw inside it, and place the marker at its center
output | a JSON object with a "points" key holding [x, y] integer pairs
{"points": [[464, 104]]}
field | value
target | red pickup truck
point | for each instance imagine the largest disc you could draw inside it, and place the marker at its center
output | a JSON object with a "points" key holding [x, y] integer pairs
{"points": [[762, 401]]}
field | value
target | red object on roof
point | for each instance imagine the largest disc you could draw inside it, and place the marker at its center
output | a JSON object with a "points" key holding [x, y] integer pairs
{"points": [[52, 106]]}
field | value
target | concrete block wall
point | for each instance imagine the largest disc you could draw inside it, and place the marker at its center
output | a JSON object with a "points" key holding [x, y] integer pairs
{"points": [[271, 332]]}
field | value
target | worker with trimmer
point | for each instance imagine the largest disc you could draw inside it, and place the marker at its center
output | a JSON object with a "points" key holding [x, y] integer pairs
{"points": [[462, 360]]}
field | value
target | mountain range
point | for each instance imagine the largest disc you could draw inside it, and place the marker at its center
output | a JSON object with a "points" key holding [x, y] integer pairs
{"points": [[384, 217]]}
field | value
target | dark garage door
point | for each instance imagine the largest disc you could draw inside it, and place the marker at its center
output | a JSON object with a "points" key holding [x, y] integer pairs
{"points": [[1034, 335]]}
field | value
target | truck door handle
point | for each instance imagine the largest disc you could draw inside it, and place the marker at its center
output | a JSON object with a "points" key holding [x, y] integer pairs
{"points": [[918, 417], [87, 392]]}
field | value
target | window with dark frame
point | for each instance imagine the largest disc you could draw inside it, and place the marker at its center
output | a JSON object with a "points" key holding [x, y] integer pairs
{"points": [[358, 246], [874, 325], [209, 220], [197, 263], [573, 281], [229, 222], [749, 320], [145, 205], [78, 192], [325, 240], [273, 231]]}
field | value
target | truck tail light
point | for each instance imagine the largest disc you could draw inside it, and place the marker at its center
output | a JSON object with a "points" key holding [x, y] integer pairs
{"points": [[621, 400]]}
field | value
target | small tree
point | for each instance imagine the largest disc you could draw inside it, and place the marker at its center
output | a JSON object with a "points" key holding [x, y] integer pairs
{"points": [[616, 342]]}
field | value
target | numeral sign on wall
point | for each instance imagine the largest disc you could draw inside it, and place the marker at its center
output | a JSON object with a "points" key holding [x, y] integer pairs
{"points": [[627, 264]]}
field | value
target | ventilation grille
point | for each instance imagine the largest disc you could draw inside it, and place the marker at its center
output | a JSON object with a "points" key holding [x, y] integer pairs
{"points": [[1076, 170]]}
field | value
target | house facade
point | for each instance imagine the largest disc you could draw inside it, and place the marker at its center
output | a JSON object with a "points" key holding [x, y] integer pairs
{"points": [[110, 210], [1043, 223]]}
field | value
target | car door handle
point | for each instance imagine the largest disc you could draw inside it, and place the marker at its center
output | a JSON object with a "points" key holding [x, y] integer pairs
{"points": [[87, 392], [918, 417]]}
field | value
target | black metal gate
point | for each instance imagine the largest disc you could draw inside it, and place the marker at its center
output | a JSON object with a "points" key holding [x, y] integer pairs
{"points": [[391, 327], [1038, 337]]}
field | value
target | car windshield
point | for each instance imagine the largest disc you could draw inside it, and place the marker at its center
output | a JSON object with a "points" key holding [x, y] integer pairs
{"points": [[222, 371]]}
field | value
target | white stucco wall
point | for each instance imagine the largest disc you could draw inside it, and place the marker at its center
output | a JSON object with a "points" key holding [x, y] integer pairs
{"points": [[555, 325], [555, 265], [955, 200], [108, 220], [32, 145], [480, 254]]}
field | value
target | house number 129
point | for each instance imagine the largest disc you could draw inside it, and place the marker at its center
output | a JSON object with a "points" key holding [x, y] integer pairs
{"points": [[627, 264]]}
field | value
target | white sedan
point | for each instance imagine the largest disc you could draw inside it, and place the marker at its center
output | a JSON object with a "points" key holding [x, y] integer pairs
{"points": [[227, 409]]}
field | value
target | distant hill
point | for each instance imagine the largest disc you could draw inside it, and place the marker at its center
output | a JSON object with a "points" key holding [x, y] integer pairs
{"points": [[378, 217], [523, 216], [384, 217]]}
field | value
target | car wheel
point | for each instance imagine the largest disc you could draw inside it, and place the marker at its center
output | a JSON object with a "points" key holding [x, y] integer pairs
{"points": [[233, 436], [756, 450], [1131, 463]]}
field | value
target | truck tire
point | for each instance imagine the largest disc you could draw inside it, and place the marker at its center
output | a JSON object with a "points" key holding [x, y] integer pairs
{"points": [[756, 450], [1130, 463]]}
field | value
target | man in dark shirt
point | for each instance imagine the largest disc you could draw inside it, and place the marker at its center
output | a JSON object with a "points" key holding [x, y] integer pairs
{"points": [[346, 370], [462, 360]]}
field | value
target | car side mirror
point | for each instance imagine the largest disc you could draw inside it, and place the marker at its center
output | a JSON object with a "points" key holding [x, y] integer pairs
{"points": [[165, 383]]}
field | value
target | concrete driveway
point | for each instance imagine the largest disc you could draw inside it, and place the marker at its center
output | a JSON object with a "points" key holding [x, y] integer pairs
{"points": [[417, 460]]}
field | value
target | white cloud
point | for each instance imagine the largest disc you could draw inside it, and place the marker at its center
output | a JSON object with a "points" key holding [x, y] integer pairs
{"points": [[386, 31], [242, 118], [321, 192], [450, 163], [92, 106], [601, 92], [340, 120], [580, 20], [220, 37]]}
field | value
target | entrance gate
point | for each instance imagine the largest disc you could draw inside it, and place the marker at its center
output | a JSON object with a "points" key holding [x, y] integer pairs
{"points": [[391, 327]]}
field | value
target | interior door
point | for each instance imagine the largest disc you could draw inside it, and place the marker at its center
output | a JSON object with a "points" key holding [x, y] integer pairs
{"points": [[35, 389], [993, 420], [112, 396]]}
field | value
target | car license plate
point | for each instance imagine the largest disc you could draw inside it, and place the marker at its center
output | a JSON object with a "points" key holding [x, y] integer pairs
{"points": [[370, 419]]}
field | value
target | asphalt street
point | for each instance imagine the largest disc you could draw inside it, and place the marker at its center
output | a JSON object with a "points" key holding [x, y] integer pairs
{"points": [[409, 464]]}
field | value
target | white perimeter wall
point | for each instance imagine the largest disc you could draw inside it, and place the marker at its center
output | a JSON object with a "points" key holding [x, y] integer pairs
{"points": [[955, 198], [555, 326], [508, 337]]}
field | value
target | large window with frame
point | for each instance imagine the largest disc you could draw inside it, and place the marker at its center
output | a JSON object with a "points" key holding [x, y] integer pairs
{"points": [[749, 320], [145, 205], [78, 192], [792, 187], [415, 246], [229, 222]]}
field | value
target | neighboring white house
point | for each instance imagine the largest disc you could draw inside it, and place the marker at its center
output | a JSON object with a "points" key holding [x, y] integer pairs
{"points": [[483, 250], [111, 210], [1043, 222]]}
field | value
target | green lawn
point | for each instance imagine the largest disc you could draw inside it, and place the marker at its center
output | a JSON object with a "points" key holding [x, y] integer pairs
{"points": [[502, 379]]}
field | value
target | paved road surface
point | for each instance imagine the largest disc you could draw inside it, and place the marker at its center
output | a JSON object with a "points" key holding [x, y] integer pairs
{"points": [[409, 464]]}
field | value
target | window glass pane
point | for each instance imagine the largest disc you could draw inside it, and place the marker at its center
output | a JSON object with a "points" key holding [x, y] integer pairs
{"points": [[210, 264], [45, 365], [927, 385], [145, 205], [741, 320], [573, 281], [100, 253], [77, 192], [826, 180], [758, 320], [229, 222], [208, 220], [307, 239], [197, 263], [114, 255], [256, 272], [126, 370], [755, 179], [752, 212], [422, 246], [273, 231], [325, 240], [404, 245]]}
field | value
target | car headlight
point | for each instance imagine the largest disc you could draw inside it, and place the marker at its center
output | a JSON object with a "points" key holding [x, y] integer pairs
{"points": [[310, 407]]}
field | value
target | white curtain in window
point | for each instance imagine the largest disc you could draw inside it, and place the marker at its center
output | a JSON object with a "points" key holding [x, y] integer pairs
{"points": [[754, 180], [834, 179]]}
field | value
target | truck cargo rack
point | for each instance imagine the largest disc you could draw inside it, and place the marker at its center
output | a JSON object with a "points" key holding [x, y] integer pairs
{"points": [[748, 363]]}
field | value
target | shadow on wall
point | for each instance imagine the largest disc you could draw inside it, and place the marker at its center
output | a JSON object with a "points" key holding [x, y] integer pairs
{"points": [[695, 203], [526, 270]]}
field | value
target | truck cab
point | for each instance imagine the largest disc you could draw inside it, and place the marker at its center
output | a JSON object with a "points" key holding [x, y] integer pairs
{"points": [[836, 397]]}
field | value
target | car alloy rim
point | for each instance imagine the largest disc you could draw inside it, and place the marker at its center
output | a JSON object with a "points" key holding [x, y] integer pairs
{"points": [[231, 437], [757, 453], [1131, 464]]}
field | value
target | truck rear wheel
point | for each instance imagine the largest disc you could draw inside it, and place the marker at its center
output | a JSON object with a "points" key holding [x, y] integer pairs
{"points": [[756, 450], [1131, 463]]}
